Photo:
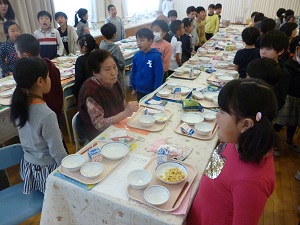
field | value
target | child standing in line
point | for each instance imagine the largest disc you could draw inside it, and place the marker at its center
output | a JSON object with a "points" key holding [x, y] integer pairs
{"points": [[177, 28], [67, 33], [265, 26], [82, 26], [36, 123], [186, 40], [201, 15], [109, 32], [218, 10], [117, 21], [244, 56], [147, 68], [49, 38], [211, 22], [172, 15], [160, 29], [245, 126], [8, 54], [191, 13]]}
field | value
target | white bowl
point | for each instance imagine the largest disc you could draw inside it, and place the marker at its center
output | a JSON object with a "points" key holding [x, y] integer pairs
{"points": [[156, 195], [172, 84], [202, 51], [179, 71], [147, 120], [203, 128], [139, 179], [184, 90], [233, 73], [8, 83], [164, 92], [220, 73], [211, 51], [209, 116], [222, 65], [225, 78], [114, 150], [194, 59], [204, 59], [73, 162], [161, 117], [165, 172], [63, 58], [6, 94], [215, 100], [198, 94], [191, 118], [210, 95], [196, 72], [228, 59], [91, 169]]}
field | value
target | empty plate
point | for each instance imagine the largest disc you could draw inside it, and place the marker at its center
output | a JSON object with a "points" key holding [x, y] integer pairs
{"points": [[191, 118], [114, 150]]}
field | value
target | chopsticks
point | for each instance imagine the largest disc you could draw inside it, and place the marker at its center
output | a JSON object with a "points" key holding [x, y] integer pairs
{"points": [[215, 127], [181, 193]]}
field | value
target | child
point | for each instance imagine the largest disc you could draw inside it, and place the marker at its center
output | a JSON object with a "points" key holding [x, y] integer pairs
{"points": [[67, 33], [249, 53], [82, 26], [201, 15], [251, 24], [186, 40], [177, 29], [101, 101], [172, 15], [191, 13], [218, 10], [266, 25], [26, 45], [160, 29], [86, 45], [117, 21], [280, 16], [7, 13], [109, 32], [147, 68], [36, 123], [211, 22], [8, 54], [51, 45], [167, 5], [244, 163]]}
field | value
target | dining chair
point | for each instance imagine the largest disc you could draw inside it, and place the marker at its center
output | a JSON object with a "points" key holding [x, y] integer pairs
{"points": [[16, 207], [77, 132], [69, 103]]}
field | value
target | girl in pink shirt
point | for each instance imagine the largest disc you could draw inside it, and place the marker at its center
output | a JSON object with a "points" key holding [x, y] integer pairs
{"points": [[240, 175]]}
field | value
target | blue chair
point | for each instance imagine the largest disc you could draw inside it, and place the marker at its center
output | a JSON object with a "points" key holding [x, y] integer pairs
{"points": [[16, 207], [78, 132]]}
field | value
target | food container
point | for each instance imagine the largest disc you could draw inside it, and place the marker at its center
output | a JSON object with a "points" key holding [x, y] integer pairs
{"points": [[203, 128], [139, 179], [73, 162], [147, 120]]}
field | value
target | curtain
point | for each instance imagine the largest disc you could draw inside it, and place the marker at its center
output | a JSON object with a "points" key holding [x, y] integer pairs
{"points": [[26, 13]]}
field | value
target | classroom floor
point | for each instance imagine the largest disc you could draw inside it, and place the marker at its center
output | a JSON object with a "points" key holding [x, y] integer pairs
{"points": [[282, 206]]}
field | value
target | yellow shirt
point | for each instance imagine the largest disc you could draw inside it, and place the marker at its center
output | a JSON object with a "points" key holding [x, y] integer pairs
{"points": [[212, 24], [201, 32]]}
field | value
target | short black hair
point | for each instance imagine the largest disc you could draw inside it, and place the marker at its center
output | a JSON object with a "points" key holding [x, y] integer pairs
{"points": [[253, 14], [145, 33], [267, 25], [259, 17], [276, 40], [172, 13], [199, 9], [7, 24], [108, 30], [280, 11], [288, 28], [44, 13], [175, 26], [289, 12], [27, 43], [250, 35], [190, 9], [294, 43], [10, 14], [187, 22], [212, 6], [265, 69], [58, 14], [96, 58], [162, 24], [218, 6], [109, 7]]}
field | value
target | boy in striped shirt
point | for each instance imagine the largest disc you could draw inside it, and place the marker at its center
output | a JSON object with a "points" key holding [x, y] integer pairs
{"points": [[51, 45]]}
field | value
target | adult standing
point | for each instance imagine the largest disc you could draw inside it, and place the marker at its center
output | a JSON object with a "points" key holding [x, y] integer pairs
{"points": [[6, 13], [167, 5]]}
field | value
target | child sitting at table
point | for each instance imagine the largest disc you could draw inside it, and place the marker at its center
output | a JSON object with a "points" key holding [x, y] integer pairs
{"points": [[160, 29], [82, 26], [101, 102], [86, 45], [177, 28], [67, 33], [246, 55], [117, 21], [36, 123], [147, 68], [49, 38], [109, 32], [8, 54], [186, 40], [244, 163]]}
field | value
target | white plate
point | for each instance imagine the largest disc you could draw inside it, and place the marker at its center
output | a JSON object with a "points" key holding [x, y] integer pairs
{"points": [[6, 94], [65, 74], [225, 78], [162, 168], [191, 118], [210, 95], [8, 83], [184, 90], [198, 94], [161, 117], [114, 150]]}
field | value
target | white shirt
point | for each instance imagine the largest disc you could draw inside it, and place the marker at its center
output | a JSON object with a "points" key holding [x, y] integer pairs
{"points": [[176, 48], [167, 5]]}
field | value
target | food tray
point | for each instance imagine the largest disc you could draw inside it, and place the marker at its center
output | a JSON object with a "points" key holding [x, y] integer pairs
{"points": [[171, 96], [134, 121], [206, 103], [186, 76], [109, 165], [174, 189], [196, 135]]}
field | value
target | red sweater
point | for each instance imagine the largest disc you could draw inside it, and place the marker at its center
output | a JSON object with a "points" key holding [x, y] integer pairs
{"points": [[237, 194]]}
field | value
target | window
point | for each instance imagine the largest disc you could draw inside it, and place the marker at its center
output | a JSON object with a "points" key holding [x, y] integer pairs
{"points": [[142, 7]]}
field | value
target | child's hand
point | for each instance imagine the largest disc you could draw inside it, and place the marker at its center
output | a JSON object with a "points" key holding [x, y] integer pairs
{"points": [[131, 107], [133, 92]]}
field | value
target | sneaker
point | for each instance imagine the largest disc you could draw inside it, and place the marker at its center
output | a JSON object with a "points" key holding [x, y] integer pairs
{"points": [[292, 146], [297, 176], [276, 152]]}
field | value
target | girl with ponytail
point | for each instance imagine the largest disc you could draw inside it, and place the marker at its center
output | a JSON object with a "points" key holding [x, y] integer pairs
{"points": [[82, 25]]}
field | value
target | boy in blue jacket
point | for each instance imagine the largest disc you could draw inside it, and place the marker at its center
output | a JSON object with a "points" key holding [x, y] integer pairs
{"points": [[147, 68]]}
